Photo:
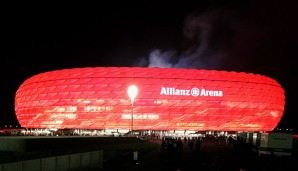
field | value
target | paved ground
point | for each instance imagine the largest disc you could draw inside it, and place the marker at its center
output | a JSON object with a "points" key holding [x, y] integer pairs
{"points": [[210, 157], [187, 160]]}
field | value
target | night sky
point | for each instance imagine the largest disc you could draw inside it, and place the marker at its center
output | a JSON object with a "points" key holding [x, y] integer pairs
{"points": [[255, 36]]}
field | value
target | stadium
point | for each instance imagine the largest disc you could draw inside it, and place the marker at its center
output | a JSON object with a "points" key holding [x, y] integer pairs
{"points": [[163, 99]]}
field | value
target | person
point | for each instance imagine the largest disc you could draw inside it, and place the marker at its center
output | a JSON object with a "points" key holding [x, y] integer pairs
{"points": [[191, 144], [198, 145], [179, 145], [163, 145]]}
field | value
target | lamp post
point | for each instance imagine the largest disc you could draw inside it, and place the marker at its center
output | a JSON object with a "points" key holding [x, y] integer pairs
{"points": [[132, 93]]}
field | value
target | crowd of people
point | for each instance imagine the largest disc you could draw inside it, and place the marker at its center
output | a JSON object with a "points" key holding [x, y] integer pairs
{"points": [[175, 145]]}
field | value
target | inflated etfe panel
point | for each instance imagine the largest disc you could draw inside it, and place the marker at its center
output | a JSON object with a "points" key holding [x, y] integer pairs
{"points": [[165, 99]]}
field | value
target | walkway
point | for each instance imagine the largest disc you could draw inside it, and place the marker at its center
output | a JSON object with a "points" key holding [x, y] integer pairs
{"points": [[211, 157]]}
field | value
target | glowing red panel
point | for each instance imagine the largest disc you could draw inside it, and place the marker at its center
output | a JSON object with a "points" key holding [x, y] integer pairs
{"points": [[167, 99]]}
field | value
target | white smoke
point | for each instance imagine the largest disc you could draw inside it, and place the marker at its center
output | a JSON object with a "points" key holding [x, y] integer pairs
{"points": [[160, 59], [199, 29]]}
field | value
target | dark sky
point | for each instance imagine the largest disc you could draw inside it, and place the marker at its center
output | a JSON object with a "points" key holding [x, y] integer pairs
{"points": [[258, 36]]}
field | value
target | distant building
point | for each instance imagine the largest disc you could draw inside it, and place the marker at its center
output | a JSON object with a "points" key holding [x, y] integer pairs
{"points": [[167, 99]]}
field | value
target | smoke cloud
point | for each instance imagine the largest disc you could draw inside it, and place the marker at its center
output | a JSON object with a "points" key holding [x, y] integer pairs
{"points": [[240, 37], [161, 59], [203, 53]]}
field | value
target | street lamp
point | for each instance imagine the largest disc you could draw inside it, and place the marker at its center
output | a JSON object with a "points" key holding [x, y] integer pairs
{"points": [[132, 93]]}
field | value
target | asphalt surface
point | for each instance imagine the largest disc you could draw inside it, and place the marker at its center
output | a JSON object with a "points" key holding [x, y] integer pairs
{"points": [[187, 159], [211, 157]]}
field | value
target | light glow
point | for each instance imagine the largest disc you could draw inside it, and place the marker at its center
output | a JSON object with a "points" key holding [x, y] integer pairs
{"points": [[132, 93]]}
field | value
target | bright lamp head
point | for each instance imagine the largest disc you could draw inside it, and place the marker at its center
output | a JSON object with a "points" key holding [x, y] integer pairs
{"points": [[132, 93]]}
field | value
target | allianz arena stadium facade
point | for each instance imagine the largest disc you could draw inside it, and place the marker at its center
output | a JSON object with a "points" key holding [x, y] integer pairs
{"points": [[166, 99]]}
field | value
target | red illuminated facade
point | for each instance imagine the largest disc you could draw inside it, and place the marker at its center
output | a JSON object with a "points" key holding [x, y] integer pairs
{"points": [[167, 99]]}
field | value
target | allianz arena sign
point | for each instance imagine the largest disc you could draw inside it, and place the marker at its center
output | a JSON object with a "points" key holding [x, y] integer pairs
{"points": [[189, 92], [167, 99]]}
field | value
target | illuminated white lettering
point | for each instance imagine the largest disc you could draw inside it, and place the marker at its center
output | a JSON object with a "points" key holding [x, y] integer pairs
{"points": [[211, 93], [170, 91], [187, 92], [163, 91], [174, 91]]}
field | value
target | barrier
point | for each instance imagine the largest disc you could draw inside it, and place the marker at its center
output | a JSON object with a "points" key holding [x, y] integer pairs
{"points": [[79, 161]]}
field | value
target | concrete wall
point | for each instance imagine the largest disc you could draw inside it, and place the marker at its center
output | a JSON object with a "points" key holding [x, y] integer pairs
{"points": [[12, 144], [40, 143], [80, 161]]}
